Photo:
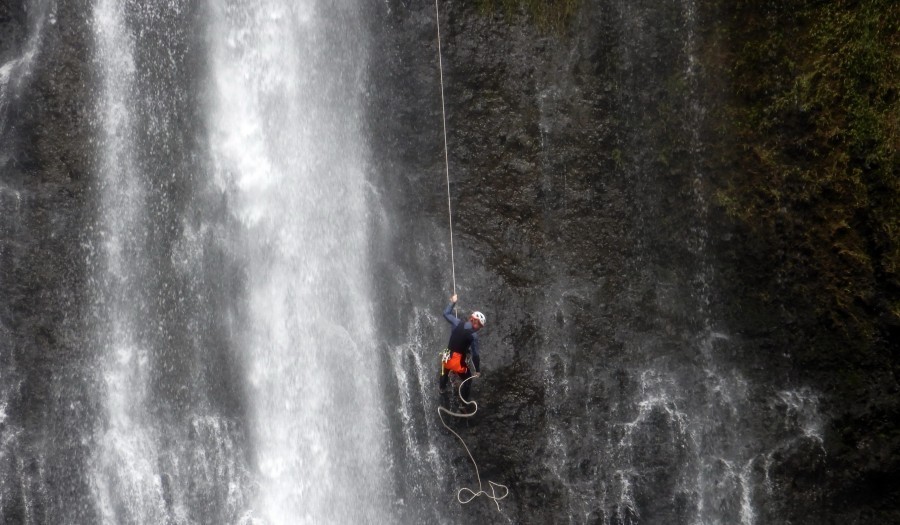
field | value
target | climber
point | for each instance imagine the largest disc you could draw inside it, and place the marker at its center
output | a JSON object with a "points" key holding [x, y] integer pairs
{"points": [[463, 339]]}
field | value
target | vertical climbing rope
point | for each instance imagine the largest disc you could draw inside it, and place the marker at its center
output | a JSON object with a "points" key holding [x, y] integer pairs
{"points": [[441, 410], [437, 16]]}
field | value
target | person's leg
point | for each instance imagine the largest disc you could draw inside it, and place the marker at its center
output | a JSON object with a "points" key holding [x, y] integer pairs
{"points": [[445, 376], [453, 364], [446, 366]]}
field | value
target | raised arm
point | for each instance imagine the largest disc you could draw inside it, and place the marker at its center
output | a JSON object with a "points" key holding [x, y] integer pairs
{"points": [[448, 312]]}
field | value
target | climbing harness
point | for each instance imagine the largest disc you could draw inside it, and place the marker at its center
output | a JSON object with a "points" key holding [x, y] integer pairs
{"points": [[445, 355], [494, 486], [437, 17]]}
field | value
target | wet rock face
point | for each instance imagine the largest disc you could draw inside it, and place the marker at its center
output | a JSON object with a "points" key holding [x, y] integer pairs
{"points": [[13, 22], [627, 376], [563, 223], [620, 385], [47, 399]]}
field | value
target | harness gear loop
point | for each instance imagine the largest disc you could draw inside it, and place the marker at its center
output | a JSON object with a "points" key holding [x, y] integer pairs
{"points": [[444, 356]]}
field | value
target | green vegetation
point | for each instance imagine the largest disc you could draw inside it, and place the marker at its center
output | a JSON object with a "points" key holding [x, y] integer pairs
{"points": [[813, 111], [546, 13]]}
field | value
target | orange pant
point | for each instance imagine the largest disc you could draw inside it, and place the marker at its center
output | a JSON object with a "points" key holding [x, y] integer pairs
{"points": [[456, 363]]}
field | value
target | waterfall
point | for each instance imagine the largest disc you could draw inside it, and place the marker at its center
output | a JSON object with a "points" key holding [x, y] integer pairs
{"points": [[290, 158], [224, 260], [167, 448], [229, 274], [127, 483]]}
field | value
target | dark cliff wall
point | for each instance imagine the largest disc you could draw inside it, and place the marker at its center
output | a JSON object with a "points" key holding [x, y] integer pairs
{"points": [[44, 171], [804, 152], [614, 203], [573, 198], [598, 167]]}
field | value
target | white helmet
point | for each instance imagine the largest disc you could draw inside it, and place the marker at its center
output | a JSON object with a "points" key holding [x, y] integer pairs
{"points": [[479, 316]]}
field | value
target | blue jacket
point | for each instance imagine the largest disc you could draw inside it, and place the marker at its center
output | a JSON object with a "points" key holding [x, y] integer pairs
{"points": [[453, 320]]}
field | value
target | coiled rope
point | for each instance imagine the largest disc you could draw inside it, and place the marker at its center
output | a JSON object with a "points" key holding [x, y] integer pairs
{"points": [[472, 494], [437, 16]]}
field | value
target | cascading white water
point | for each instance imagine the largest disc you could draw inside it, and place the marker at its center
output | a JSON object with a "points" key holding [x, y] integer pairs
{"points": [[125, 479], [164, 453], [291, 159]]}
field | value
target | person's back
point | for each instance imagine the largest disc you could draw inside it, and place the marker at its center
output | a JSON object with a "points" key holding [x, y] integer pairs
{"points": [[463, 342]]}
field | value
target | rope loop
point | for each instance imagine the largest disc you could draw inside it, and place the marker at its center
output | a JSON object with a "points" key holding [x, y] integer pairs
{"points": [[493, 486]]}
